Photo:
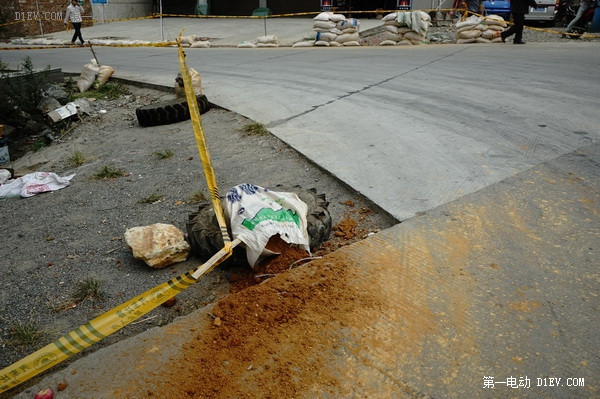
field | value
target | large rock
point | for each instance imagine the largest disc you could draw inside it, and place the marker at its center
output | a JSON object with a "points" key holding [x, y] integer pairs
{"points": [[159, 245]]}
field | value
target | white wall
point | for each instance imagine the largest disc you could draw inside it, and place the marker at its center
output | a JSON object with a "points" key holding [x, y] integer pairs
{"points": [[116, 9]]}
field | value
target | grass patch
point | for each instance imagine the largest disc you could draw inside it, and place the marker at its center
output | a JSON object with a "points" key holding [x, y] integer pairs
{"points": [[255, 129], [151, 199], [109, 172], [164, 154], [78, 158], [88, 289], [25, 333], [198, 196], [39, 145], [108, 91]]}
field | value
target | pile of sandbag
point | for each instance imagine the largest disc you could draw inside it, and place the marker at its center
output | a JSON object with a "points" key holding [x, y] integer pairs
{"points": [[405, 28], [194, 41], [336, 30], [475, 29], [92, 74], [261, 41]]}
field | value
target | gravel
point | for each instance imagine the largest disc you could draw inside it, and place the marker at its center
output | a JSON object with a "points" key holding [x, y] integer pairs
{"points": [[54, 241]]}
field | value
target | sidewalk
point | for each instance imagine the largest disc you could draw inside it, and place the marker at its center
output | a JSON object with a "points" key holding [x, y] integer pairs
{"points": [[483, 297], [219, 31]]}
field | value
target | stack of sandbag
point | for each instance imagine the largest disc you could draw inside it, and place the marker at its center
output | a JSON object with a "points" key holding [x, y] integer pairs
{"points": [[336, 30], [261, 41], [405, 28], [475, 29]]}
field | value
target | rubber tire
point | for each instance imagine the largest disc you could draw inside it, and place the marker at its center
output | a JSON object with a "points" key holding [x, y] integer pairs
{"points": [[204, 234], [167, 112]]}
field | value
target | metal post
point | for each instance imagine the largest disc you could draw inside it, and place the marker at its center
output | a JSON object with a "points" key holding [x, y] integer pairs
{"points": [[39, 18], [162, 32], [265, 19]]}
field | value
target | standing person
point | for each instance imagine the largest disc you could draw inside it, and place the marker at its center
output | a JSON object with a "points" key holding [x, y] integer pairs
{"points": [[584, 5], [518, 9], [74, 11]]}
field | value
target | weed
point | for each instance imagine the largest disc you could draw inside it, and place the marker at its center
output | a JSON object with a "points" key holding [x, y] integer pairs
{"points": [[109, 172], [22, 93], [39, 145], [255, 129], [151, 199], [163, 154], [198, 196], [108, 91], [88, 289], [25, 333], [78, 158]]}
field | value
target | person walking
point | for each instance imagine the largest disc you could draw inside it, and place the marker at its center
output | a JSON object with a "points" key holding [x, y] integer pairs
{"points": [[518, 9], [74, 12], [584, 5]]}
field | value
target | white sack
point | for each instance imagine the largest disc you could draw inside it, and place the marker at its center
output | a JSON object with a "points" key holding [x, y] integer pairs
{"points": [[257, 214], [34, 183]]}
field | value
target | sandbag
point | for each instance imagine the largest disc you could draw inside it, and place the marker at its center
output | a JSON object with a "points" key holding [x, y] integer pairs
{"points": [[200, 44], [337, 18], [324, 25], [490, 34], [388, 43], [482, 40], [87, 77], [324, 16], [350, 23], [267, 39], [469, 34], [464, 41], [393, 36], [322, 43], [267, 44], [391, 28], [347, 37], [104, 73], [390, 17], [303, 44], [188, 39], [414, 36], [404, 42], [351, 43], [327, 36], [471, 21], [494, 20]]}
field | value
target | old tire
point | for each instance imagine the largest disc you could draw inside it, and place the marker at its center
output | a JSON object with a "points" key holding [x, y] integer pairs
{"points": [[167, 112], [205, 238]]}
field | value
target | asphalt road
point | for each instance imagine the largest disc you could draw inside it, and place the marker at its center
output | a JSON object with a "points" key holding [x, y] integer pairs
{"points": [[411, 128]]}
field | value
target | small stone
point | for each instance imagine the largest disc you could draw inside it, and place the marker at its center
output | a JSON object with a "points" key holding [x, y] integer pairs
{"points": [[217, 321], [62, 386]]}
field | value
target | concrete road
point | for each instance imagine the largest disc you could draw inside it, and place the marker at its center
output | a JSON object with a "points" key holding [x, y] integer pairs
{"points": [[410, 128]]}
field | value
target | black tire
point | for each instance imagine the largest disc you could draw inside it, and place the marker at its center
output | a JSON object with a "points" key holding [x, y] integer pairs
{"points": [[167, 112], [204, 234]]}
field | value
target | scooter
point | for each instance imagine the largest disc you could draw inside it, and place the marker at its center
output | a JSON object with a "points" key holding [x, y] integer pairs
{"points": [[583, 25]]}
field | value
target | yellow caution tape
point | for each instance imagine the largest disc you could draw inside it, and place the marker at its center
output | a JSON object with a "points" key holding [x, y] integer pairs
{"points": [[104, 325], [209, 174], [122, 315]]}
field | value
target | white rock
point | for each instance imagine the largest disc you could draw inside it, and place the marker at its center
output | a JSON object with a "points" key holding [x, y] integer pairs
{"points": [[159, 245]]}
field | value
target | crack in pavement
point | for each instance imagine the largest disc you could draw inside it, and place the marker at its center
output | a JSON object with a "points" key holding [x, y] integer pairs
{"points": [[315, 107]]}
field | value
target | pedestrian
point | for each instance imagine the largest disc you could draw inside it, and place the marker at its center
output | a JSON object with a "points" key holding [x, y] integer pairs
{"points": [[584, 5], [518, 9], [74, 12]]}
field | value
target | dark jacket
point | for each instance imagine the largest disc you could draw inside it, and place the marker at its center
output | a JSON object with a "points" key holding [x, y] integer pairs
{"points": [[521, 6]]}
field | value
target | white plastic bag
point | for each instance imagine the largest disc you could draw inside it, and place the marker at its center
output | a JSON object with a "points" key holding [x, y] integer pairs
{"points": [[34, 183], [257, 214]]}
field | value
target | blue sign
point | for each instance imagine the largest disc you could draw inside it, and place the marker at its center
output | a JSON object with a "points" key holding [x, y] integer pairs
{"points": [[99, 1]]}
